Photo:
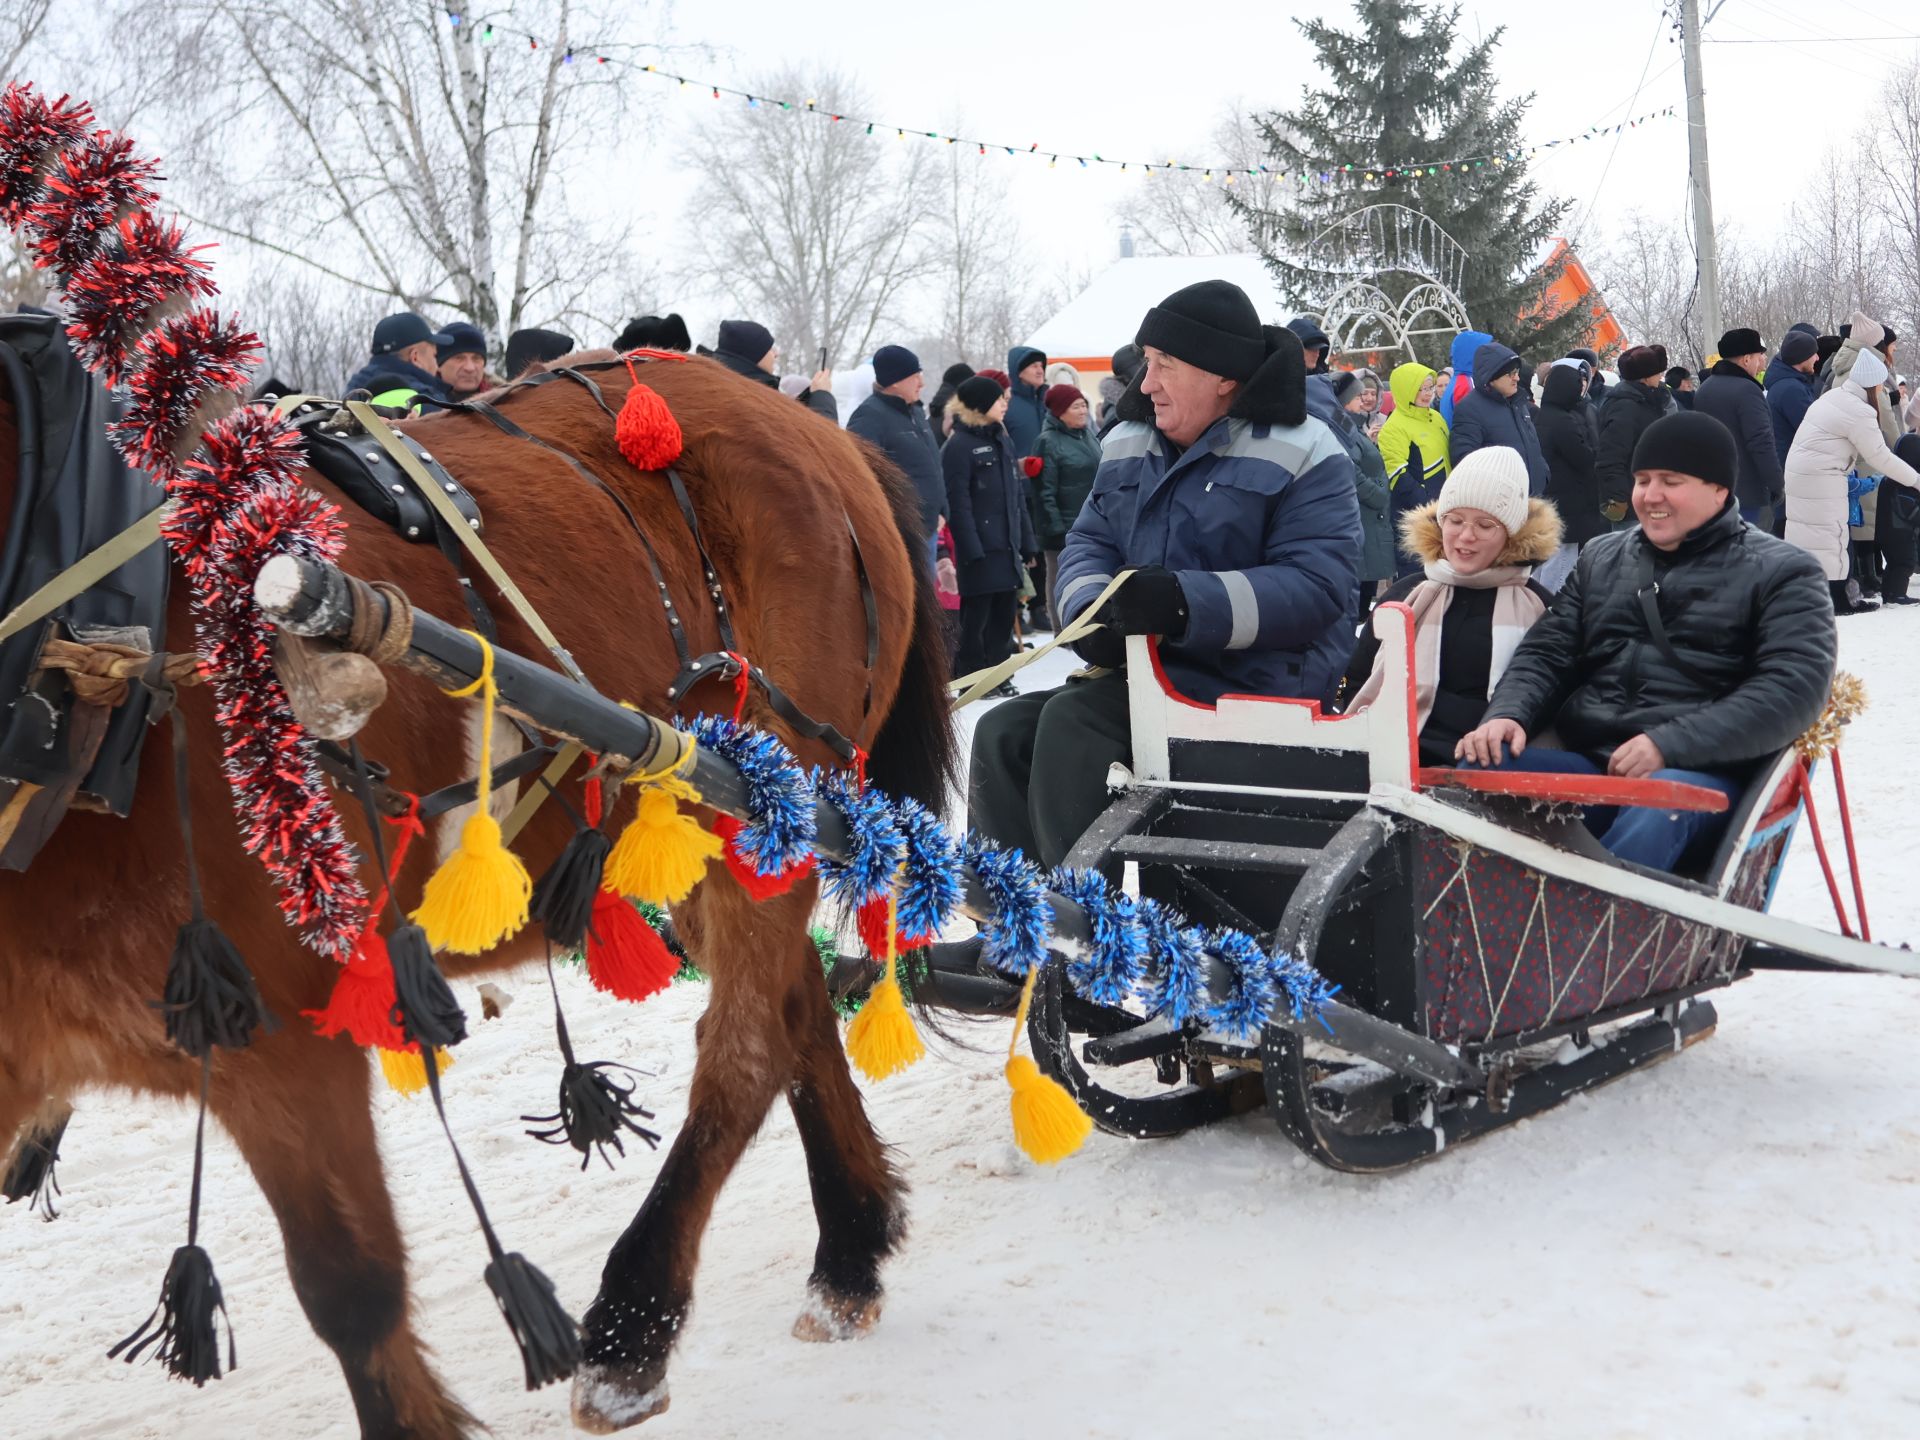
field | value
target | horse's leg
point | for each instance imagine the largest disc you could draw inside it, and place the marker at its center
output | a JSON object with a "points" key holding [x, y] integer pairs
{"points": [[298, 1108], [856, 1194], [750, 953]]}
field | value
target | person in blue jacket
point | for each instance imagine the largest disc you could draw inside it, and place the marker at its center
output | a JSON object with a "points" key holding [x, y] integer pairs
{"points": [[1460, 361], [1496, 412], [1235, 511], [1026, 398]]}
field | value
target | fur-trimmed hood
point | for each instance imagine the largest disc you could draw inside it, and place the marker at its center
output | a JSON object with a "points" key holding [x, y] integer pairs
{"points": [[1534, 543], [1276, 395], [966, 415]]}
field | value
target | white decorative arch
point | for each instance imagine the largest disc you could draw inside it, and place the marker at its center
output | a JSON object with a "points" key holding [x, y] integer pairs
{"points": [[1350, 258]]}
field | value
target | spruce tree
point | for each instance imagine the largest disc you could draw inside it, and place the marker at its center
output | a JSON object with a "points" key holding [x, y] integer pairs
{"points": [[1396, 104]]}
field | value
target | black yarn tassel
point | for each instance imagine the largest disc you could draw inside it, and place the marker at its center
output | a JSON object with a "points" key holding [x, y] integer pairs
{"points": [[549, 1339], [210, 998], [563, 897], [30, 1175], [595, 1107], [186, 1337], [424, 1007]]}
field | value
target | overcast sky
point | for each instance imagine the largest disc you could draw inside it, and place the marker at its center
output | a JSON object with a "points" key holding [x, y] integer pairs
{"points": [[1146, 81]]}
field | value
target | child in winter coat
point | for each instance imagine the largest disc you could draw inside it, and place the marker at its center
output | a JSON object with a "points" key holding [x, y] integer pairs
{"points": [[1413, 443]]}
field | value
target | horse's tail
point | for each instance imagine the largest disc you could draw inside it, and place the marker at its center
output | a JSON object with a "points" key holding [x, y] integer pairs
{"points": [[917, 751]]}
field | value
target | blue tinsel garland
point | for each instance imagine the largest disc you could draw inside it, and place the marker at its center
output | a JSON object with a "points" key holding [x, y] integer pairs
{"points": [[1308, 991], [1022, 925], [931, 887], [1116, 955], [780, 830], [878, 846], [1176, 983], [1252, 984]]}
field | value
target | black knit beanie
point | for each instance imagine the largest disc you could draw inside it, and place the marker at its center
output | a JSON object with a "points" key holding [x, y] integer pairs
{"points": [[1798, 347], [1211, 325], [1689, 442], [978, 393], [955, 373], [748, 339]]}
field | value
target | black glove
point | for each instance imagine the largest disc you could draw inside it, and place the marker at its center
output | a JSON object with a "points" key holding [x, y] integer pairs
{"points": [[1150, 603], [1103, 647]]}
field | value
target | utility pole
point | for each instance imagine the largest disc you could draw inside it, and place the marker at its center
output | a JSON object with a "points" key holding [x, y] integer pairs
{"points": [[1700, 185]]}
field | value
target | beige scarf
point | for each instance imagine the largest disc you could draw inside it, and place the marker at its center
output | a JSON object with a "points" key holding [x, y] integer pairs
{"points": [[1515, 609]]}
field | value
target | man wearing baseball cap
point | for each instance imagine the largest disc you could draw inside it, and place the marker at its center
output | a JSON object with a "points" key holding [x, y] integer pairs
{"points": [[1235, 511], [1693, 648], [404, 364]]}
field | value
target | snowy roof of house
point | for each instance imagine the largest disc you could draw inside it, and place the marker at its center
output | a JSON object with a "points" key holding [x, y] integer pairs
{"points": [[1104, 316]]}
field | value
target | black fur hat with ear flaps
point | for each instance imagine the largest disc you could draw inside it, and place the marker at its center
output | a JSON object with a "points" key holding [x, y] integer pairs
{"points": [[1275, 395]]}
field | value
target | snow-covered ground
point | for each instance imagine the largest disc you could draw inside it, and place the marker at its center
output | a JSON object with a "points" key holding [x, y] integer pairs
{"points": [[1723, 1246]]}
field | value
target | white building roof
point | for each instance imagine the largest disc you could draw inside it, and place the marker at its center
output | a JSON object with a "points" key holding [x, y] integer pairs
{"points": [[1105, 315]]}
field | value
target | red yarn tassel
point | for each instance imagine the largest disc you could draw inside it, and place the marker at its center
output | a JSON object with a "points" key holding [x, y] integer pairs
{"points": [[363, 997], [646, 431], [625, 955], [759, 887]]}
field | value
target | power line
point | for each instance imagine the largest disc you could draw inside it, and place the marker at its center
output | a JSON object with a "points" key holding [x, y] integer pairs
{"points": [[1814, 40]]}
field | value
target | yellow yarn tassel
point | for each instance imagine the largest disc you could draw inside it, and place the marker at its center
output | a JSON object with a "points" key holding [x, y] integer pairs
{"points": [[406, 1071], [881, 1039], [479, 896], [663, 852], [1047, 1125]]}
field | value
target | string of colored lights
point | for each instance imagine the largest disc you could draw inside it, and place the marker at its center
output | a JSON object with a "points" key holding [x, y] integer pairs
{"points": [[488, 32]]}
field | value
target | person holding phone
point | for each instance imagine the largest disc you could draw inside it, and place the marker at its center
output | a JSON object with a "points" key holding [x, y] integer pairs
{"points": [[746, 347]]}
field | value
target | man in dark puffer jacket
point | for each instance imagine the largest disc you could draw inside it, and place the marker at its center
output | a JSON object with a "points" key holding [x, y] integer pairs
{"points": [[1732, 665]]}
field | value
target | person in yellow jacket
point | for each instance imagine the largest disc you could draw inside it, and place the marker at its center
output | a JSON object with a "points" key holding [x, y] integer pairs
{"points": [[1413, 443]]}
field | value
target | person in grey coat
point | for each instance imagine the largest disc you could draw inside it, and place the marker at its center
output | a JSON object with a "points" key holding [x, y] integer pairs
{"points": [[1494, 412]]}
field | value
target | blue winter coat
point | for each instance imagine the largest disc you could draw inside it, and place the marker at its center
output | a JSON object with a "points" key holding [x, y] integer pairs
{"points": [[1482, 418], [389, 372], [1260, 523], [1465, 344], [1789, 393], [1026, 406]]}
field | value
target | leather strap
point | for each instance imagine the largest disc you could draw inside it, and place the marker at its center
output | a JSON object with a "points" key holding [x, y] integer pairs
{"points": [[455, 521], [86, 572]]}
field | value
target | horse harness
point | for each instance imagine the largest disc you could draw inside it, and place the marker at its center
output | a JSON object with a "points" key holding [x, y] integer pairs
{"points": [[372, 464]]}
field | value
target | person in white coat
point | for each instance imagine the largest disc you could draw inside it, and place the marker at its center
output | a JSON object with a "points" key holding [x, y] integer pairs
{"points": [[1841, 433]]}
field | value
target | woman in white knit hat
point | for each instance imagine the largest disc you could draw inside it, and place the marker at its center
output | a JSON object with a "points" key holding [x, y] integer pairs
{"points": [[1480, 543]]}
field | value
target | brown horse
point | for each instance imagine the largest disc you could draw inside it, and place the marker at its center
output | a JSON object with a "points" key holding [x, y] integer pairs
{"points": [[771, 485]]}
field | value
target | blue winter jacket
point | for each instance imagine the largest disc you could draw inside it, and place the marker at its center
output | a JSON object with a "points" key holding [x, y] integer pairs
{"points": [[1465, 344], [1261, 524], [1789, 393], [1026, 406], [1483, 418]]}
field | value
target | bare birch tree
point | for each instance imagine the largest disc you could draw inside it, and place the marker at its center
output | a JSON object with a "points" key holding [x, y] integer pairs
{"points": [[978, 258], [406, 151], [1187, 212], [811, 226], [20, 24]]}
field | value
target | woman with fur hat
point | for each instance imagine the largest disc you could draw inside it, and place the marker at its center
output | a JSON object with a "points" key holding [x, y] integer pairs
{"points": [[1472, 601], [987, 513]]}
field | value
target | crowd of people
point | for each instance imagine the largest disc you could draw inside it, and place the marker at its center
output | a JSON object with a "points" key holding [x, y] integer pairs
{"points": [[1644, 570]]}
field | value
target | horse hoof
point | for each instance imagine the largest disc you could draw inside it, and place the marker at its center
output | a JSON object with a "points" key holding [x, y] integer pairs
{"points": [[606, 1401], [835, 1317]]}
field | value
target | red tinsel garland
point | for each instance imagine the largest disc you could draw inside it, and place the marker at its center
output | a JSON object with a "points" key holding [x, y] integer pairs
{"points": [[81, 196]]}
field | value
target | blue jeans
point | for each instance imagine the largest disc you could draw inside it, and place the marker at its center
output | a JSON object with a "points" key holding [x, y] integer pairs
{"points": [[1654, 838]]}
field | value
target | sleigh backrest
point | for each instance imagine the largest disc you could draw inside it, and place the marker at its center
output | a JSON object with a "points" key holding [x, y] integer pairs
{"points": [[1261, 743]]}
